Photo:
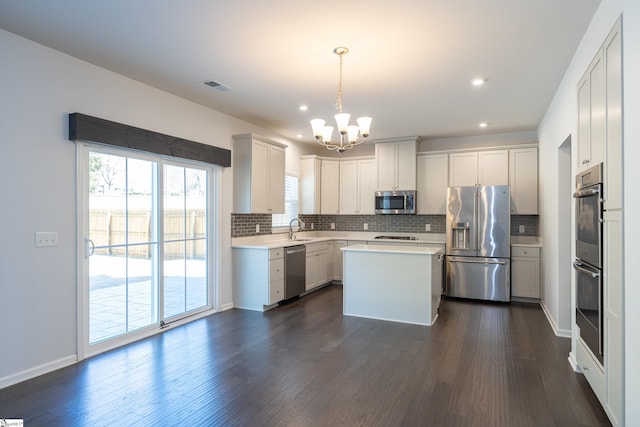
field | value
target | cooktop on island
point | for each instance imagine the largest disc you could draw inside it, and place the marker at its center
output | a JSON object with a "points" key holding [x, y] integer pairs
{"points": [[396, 237]]}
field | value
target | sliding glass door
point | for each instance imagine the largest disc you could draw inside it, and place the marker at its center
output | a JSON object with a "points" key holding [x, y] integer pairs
{"points": [[184, 240], [147, 228]]}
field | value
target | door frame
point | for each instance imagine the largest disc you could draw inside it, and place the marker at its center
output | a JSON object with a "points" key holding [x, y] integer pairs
{"points": [[83, 348]]}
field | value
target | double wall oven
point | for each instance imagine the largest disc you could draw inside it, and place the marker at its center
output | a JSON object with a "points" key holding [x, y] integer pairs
{"points": [[588, 262]]}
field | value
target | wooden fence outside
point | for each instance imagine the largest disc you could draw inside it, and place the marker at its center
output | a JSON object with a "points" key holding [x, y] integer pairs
{"points": [[185, 237]]}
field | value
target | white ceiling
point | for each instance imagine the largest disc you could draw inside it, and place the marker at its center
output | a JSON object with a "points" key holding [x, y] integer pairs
{"points": [[409, 66]]}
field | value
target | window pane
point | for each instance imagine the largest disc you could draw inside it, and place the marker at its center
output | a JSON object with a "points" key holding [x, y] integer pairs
{"points": [[173, 203], [122, 286], [185, 256], [290, 203]]}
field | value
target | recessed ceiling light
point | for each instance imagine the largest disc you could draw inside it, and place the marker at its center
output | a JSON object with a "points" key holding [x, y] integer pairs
{"points": [[478, 81], [483, 124], [299, 135], [303, 108]]}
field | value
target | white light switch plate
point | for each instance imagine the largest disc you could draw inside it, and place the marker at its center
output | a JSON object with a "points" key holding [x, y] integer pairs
{"points": [[333, 225], [427, 227], [365, 226], [46, 238], [521, 229]]}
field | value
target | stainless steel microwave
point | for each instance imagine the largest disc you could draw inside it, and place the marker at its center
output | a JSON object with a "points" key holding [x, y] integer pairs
{"points": [[395, 202]]}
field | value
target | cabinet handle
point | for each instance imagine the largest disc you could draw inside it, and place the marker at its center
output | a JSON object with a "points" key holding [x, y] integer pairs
{"points": [[584, 162], [584, 368]]}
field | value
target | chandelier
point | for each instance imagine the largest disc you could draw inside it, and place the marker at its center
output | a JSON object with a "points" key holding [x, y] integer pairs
{"points": [[348, 135]]}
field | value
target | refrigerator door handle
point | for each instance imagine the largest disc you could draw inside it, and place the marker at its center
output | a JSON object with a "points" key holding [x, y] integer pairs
{"points": [[478, 262], [476, 221]]}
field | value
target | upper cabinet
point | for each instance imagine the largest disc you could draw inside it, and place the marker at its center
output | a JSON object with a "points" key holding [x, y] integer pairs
{"points": [[319, 185], [523, 180], [258, 175], [309, 184], [613, 85], [396, 165], [330, 187], [433, 180], [592, 114], [357, 186], [479, 168]]}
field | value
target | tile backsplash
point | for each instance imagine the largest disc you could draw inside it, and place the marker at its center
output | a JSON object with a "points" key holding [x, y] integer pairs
{"points": [[243, 225]]}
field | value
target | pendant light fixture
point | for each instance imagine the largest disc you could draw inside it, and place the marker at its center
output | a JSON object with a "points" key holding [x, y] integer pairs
{"points": [[348, 135]]}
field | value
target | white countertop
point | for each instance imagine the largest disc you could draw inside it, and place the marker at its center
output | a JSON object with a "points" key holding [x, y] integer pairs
{"points": [[270, 241], [396, 249], [526, 241]]}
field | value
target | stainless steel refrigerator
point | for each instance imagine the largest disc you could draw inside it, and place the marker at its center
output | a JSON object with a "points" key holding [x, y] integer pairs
{"points": [[478, 243]]}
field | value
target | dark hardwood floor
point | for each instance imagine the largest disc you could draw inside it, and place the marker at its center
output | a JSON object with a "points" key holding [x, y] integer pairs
{"points": [[304, 364]]}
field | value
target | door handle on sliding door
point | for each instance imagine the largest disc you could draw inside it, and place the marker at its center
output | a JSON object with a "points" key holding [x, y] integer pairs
{"points": [[89, 247]]}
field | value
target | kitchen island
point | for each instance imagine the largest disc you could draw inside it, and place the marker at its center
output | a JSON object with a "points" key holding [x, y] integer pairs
{"points": [[396, 283]]}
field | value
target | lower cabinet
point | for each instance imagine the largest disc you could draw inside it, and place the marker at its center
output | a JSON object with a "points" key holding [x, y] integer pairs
{"points": [[338, 259], [258, 277], [525, 272], [276, 276], [591, 369], [317, 272]]}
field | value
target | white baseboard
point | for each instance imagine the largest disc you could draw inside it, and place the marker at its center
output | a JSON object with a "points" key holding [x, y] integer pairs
{"points": [[225, 307], [574, 363], [37, 371], [564, 333]]}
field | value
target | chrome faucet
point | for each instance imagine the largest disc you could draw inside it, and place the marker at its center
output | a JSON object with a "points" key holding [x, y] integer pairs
{"points": [[300, 227]]}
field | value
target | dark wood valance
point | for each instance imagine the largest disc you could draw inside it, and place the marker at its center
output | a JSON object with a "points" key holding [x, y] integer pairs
{"points": [[87, 128]]}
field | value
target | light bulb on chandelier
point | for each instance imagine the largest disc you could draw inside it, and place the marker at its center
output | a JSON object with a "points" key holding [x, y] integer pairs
{"points": [[348, 135]]}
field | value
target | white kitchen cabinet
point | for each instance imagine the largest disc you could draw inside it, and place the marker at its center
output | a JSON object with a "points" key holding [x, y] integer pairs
{"points": [[337, 259], [613, 312], [396, 165], [330, 187], [613, 165], [523, 181], [600, 112], [317, 259], [330, 260], [258, 277], [258, 175], [525, 272], [493, 167], [432, 183], [463, 169], [348, 186], [479, 168], [592, 114], [357, 186], [310, 170], [591, 369], [366, 186]]}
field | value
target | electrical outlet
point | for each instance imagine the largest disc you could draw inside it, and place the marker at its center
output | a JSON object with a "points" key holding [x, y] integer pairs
{"points": [[333, 225], [257, 228], [46, 238], [365, 226], [521, 229], [427, 227], [312, 226]]}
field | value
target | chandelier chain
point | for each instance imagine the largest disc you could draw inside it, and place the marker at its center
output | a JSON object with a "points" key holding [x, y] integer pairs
{"points": [[339, 99]]}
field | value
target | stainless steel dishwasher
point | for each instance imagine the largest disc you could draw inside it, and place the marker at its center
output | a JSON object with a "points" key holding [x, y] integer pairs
{"points": [[294, 270]]}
